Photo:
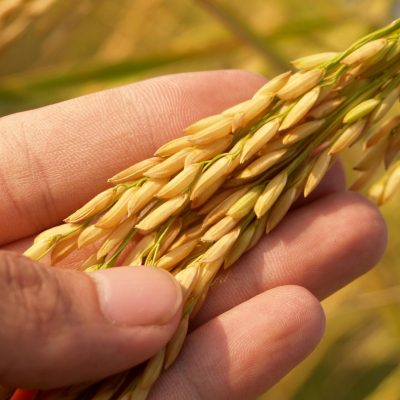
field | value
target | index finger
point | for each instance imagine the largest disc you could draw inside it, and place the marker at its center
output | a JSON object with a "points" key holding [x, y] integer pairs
{"points": [[55, 158]]}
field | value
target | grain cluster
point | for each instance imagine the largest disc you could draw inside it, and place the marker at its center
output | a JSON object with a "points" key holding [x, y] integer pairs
{"points": [[207, 197]]}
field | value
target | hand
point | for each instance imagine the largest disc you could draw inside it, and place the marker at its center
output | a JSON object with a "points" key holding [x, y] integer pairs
{"points": [[262, 317]]}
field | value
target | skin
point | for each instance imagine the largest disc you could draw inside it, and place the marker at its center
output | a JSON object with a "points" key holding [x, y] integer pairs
{"points": [[262, 316]]}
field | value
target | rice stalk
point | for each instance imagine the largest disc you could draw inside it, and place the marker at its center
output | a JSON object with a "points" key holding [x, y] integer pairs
{"points": [[208, 197]]}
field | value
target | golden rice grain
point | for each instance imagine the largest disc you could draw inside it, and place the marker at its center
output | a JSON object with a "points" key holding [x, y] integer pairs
{"points": [[373, 157], [300, 109], [221, 228], [392, 149], [152, 370], [175, 256], [310, 62], [376, 191], [274, 85], [365, 52], [256, 107], [140, 250], [361, 110], [175, 344], [91, 234], [39, 249], [205, 123], [219, 169], [384, 107], [136, 171], [220, 211], [241, 246], [63, 248], [118, 211], [392, 183], [203, 153], [187, 279], [221, 247], [348, 137], [271, 192], [169, 238], [261, 164], [209, 135], [138, 393], [207, 193], [89, 262], [280, 208], [144, 195], [180, 182], [317, 172], [215, 201], [115, 238], [325, 108], [259, 231], [94, 206], [245, 204], [161, 213], [302, 131], [382, 130], [194, 232], [300, 83], [169, 166], [208, 272], [173, 146], [57, 231], [260, 138]]}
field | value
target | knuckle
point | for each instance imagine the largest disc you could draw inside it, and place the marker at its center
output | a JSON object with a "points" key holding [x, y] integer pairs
{"points": [[33, 296], [16, 131]]}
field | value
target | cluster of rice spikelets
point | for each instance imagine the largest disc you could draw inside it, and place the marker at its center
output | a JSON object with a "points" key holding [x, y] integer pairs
{"points": [[207, 197]]}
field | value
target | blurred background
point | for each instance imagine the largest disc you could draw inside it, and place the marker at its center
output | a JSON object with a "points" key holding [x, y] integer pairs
{"points": [[52, 50]]}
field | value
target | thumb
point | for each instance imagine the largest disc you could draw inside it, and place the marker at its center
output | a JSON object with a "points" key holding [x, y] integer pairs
{"points": [[60, 327]]}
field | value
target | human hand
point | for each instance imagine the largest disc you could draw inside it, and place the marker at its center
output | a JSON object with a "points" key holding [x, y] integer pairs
{"points": [[262, 316]]}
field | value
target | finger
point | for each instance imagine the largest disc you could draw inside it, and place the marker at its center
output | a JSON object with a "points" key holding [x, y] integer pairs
{"points": [[334, 181], [60, 327], [55, 158], [245, 351], [322, 246], [5, 392]]}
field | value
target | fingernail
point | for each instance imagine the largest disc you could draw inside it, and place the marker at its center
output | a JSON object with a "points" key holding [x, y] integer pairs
{"points": [[137, 295]]}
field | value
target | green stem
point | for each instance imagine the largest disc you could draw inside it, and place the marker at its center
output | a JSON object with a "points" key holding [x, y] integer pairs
{"points": [[152, 256], [385, 31], [110, 263]]}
